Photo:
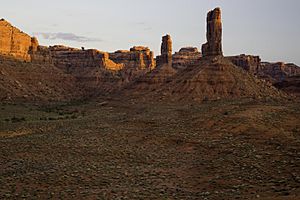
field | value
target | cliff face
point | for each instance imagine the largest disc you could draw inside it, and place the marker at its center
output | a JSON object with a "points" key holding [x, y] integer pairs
{"points": [[166, 52], [277, 72], [137, 57], [16, 43], [273, 72], [188, 56], [213, 47], [247, 62], [68, 58], [136, 62]]}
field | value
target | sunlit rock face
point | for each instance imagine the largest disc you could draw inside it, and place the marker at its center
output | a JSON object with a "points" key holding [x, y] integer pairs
{"points": [[16, 43], [213, 47], [137, 57]]}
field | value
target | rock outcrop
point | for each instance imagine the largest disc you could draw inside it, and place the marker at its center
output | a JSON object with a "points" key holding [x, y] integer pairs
{"points": [[140, 58], [166, 52], [137, 62], [41, 55], [67, 57], [283, 76], [188, 56], [16, 43], [272, 72], [277, 72], [247, 62], [213, 47]]}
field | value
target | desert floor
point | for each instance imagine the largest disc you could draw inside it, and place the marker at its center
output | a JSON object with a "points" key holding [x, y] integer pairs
{"points": [[125, 149]]}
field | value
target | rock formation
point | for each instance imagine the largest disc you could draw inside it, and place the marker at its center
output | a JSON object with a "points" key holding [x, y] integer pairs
{"points": [[272, 72], [186, 57], [166, 52], [247, 62], [16, 43], [67, 57], [277, 72], [137, 62], [140, 58], [41, 55], [213, 47], [61, 71]]}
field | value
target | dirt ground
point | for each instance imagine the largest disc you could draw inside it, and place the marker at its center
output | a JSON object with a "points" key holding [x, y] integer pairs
{"points": [[124, 149]]}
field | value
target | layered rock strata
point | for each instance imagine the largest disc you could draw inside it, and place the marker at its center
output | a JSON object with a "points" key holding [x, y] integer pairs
{"points": [[138, 57], [16, 43], [277, 72], [247, 62], [187, 56], [67, 57]]}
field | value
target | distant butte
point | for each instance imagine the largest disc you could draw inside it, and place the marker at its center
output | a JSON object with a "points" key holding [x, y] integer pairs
{"points": [[85, 73]]}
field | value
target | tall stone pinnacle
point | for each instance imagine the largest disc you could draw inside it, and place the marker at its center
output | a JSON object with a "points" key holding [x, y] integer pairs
{"points": [[213, 47], [166, 51]]}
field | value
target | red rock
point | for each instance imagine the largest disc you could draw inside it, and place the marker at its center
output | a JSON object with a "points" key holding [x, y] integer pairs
{"points": [[166, 52], [137, 58], [67, 57], [248, 62], [188, 56], [213, 47], [277, 72], [16, 43]]}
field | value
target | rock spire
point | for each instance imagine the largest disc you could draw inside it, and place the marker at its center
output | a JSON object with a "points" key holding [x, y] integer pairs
{"points": [[213, 47]]}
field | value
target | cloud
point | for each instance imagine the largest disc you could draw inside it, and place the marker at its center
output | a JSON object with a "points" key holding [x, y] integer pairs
{"points": [[141, 23], [144, 26], [67, 37]]}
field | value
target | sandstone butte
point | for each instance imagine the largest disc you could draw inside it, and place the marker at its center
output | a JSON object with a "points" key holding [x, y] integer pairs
{"points": [[14, 42], [92, 72]]}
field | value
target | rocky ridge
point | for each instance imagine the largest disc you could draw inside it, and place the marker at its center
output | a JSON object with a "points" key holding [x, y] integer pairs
{"points": [[275, 73], [186, 74]]}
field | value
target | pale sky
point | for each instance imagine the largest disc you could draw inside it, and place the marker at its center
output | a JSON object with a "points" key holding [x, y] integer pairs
{"points": [[269, 28]]}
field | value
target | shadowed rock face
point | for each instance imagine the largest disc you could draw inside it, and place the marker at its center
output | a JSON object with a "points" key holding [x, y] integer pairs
{"points": [[166, 51], [272, 72], [187, 56], [213, 47], [249, 63]]}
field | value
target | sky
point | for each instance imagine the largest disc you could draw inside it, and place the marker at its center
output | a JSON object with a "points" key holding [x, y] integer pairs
{"points": [[268, 28]]}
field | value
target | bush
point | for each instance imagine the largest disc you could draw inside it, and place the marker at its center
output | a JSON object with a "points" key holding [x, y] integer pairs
{"points": [[17, 119]]}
